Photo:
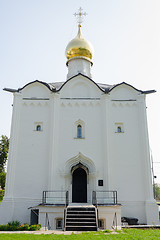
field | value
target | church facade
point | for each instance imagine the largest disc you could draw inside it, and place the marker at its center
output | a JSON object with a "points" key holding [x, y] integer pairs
{"points": [[78, 143]]}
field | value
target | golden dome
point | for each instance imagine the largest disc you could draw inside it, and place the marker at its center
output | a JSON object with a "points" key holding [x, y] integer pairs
{"points": [[79, 47]]}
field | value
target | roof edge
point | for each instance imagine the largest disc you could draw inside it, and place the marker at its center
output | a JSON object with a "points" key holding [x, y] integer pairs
{"points": [[141, 91], [10, 90], [80, 74], [37, 81], [53, 89]]}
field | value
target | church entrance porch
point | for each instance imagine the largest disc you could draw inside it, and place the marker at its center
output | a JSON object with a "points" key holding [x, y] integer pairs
{"points": [[58, 210], [79, 186], [79, 217]]}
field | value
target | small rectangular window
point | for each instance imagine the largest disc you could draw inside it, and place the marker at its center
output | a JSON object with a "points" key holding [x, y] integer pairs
{"points": [[100, 183], [101, 223], [59, 223]]}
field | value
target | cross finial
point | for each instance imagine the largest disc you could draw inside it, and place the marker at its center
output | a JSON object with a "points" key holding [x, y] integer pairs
{"points": [[80, 15]]}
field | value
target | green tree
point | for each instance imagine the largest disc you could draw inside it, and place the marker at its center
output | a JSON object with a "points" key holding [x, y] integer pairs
{"points": [[2, 179], [4, 146], [156, 189]]}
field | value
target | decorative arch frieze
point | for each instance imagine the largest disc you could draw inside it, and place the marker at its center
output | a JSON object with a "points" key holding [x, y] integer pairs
{"points": [[124, 103], [35, 103]]}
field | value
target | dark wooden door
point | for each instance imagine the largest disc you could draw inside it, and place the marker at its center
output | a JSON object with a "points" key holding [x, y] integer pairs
{"points": [[79, 186]]}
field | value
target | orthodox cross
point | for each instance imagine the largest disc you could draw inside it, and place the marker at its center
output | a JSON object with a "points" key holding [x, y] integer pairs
{"points": [[80, 15]]}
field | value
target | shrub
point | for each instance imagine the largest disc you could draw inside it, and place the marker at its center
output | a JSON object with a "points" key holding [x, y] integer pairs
{"points": [[12, 226], [35, 227], [23, 227], [4, 227], [14, 223], [15, 226]]}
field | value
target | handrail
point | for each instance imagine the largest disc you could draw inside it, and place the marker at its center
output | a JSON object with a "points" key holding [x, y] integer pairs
{"points": [[65, 219], [62, 197], [96, 209], [54, 197], [94, 198], [67, 198], [104, 198]]}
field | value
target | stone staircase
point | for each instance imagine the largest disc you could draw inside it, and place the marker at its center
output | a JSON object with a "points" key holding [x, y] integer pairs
{"points": [[82, 218]]}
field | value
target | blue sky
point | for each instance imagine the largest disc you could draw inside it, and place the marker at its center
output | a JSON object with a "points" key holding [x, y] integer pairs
{"points": [[125, 35]]}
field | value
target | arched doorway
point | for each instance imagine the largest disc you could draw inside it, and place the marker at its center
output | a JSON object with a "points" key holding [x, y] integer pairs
{"points": [[79, 185]]}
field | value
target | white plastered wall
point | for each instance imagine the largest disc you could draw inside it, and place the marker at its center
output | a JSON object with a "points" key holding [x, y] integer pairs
{"points": [[129, 162], [37, 160]]}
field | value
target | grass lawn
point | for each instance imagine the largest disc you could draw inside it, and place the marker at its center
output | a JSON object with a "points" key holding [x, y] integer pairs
{"points": [[131, 234]]}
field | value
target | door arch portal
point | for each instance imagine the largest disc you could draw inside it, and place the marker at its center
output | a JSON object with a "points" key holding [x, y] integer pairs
{"points": [[79, 185]]}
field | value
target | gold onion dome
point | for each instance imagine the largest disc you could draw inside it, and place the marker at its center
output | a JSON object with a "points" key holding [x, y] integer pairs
{"points": [[79, 47]]}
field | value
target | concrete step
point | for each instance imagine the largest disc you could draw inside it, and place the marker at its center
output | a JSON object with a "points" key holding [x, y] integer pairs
{"points": [[81, 219], [82, 224], [80, 215], [80, 228]]}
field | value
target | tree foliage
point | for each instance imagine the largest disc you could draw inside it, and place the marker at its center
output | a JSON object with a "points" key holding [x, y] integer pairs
{"points": [[4, 146], [2, 179], [156, 189]]}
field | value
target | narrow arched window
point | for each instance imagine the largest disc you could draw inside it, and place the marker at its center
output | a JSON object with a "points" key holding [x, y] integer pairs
{"points": [[79, 131], [38, 128], [119, 129]]}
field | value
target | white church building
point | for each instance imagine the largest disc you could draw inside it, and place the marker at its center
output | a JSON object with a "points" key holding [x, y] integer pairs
{"points": [[79, 152]]}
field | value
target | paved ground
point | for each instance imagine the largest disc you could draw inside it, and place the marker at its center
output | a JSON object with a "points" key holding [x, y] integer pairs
{"points": [[49, 232], [42, 232]]}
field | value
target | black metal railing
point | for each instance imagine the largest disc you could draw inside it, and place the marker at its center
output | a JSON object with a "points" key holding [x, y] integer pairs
{"points": [[67, 198], [62, 198], [55, 197], [104, 198], [64, 221]]}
